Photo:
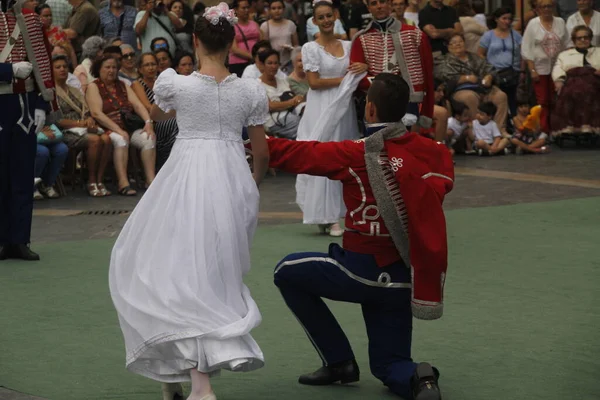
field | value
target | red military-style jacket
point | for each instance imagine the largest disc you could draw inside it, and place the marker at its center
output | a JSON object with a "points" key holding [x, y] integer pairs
{"points": [[402, 50], [418, 171]]}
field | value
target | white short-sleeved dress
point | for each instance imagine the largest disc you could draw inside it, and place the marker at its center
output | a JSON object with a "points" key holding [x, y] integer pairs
{"points": [[176, 269], [329, 116]]}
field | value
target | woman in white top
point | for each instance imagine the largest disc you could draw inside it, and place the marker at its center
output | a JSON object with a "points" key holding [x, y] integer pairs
{"points": [[284, 107], [585, 16], [576, 76], [329, 116], [545, 37], [281, 33]]}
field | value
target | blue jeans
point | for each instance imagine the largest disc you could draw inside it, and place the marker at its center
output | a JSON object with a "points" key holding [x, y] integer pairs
{"points": [[304, 279], [49, 160]]}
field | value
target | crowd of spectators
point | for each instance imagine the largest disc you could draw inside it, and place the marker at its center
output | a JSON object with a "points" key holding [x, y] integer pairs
{"points": [[490, 72]]}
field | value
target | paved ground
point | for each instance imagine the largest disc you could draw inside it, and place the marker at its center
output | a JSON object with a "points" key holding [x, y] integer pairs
{"points": [[563, 174]]}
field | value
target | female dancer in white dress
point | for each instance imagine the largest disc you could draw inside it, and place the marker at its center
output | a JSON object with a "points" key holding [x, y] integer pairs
{"points": [[329, 116], [176, 269]]}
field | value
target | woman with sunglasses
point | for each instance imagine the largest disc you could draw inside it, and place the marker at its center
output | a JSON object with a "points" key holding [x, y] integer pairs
{"points": [[576, 77], [501, 47], [128, 70], [545, 37]]}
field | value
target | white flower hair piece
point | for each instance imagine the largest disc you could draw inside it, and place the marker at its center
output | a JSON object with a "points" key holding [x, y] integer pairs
{"points": [[214, 14], [321, 1]]}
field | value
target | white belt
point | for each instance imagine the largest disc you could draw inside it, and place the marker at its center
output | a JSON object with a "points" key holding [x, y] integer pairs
{"points": [[8, 88]]}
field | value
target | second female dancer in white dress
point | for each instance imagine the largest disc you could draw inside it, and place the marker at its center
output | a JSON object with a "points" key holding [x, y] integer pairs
{"points": [[329, 116], [176, 269]]}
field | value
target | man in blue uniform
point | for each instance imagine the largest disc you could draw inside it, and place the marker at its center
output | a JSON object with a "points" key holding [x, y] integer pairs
{"points": [[25, 90]]}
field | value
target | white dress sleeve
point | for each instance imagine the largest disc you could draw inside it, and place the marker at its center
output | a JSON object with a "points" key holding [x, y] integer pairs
{"points": [[164, 90], [310, 57], [259, 111]]}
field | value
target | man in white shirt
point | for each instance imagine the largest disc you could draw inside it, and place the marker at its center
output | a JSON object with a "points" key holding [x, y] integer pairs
{"points": [[156, 21], [585, 16]]}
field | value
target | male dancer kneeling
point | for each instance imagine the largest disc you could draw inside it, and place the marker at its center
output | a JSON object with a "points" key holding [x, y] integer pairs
{"points": [[394, 255]]}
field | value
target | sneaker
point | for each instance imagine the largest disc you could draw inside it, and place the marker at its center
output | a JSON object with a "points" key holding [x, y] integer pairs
{"points": [[37, 195], [48, 191], [480, 152], [506, 150], [470, 152]]}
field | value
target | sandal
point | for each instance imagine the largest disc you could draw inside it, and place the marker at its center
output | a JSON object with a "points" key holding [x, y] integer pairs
{"points": [[103, 190], [127, 191], [93, 190]]}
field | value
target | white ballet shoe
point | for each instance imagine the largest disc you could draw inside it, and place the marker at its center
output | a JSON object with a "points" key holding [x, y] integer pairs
{"points": [[210, 396], [172, 391], [336, 230]]}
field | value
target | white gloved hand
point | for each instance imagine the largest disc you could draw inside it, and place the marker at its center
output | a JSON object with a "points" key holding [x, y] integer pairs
{"points": [[39, 120], [22, 69]]}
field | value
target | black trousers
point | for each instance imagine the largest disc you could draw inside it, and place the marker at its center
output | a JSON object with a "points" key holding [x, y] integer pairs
{"points": [[18, 144]]}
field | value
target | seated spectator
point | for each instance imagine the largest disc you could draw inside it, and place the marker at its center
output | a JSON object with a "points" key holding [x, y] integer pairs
{"points": [[114, 106], [80, 130], [441, 111], [472, 29], [183, 34], [253, 71], [116, 41], [115, 52], [459, 137], [166, 130], [576, 76], [501, 47], [184, 65], [488, 139], [117, 21], [247, 33], [164, 59], [283, 118], [470, 80], [128, 68], [55, 34], [49, 160], [528, 137], [92, 50], [159, 43], [71, 79], [297, 80]]}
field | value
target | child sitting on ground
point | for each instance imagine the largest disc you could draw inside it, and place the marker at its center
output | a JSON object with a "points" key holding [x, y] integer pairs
{"points": [[488, 139], [528, 137], [459, 136]]}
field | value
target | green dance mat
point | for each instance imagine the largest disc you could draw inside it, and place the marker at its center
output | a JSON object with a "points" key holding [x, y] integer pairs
{"points": [[522, 316]]}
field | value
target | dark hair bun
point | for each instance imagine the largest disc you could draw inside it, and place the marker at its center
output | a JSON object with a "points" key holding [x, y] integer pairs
{"points": [[214, 38]]}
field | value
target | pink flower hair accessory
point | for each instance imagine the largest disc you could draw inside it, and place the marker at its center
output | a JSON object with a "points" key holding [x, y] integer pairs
{"points": [[214, 14]]}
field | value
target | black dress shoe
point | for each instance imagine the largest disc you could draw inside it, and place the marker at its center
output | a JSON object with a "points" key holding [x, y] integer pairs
{"points": [[345, 372], [425, 383], [4, 251], [23, 252]]}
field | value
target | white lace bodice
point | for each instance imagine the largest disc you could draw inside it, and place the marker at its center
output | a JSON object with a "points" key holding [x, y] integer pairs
{"points": [[210, 110], [316, 59]]}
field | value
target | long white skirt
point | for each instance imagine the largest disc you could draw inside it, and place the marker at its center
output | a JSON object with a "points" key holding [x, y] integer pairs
{"points": [[176, 269], [329, 116]]}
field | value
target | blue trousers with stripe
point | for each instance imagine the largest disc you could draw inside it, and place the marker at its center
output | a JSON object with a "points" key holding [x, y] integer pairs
{"points": [[304, 279]]}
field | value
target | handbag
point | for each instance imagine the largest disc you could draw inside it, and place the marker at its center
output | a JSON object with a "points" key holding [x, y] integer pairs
{"points": [[131, 121], [58, 136], [509, 77]]}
